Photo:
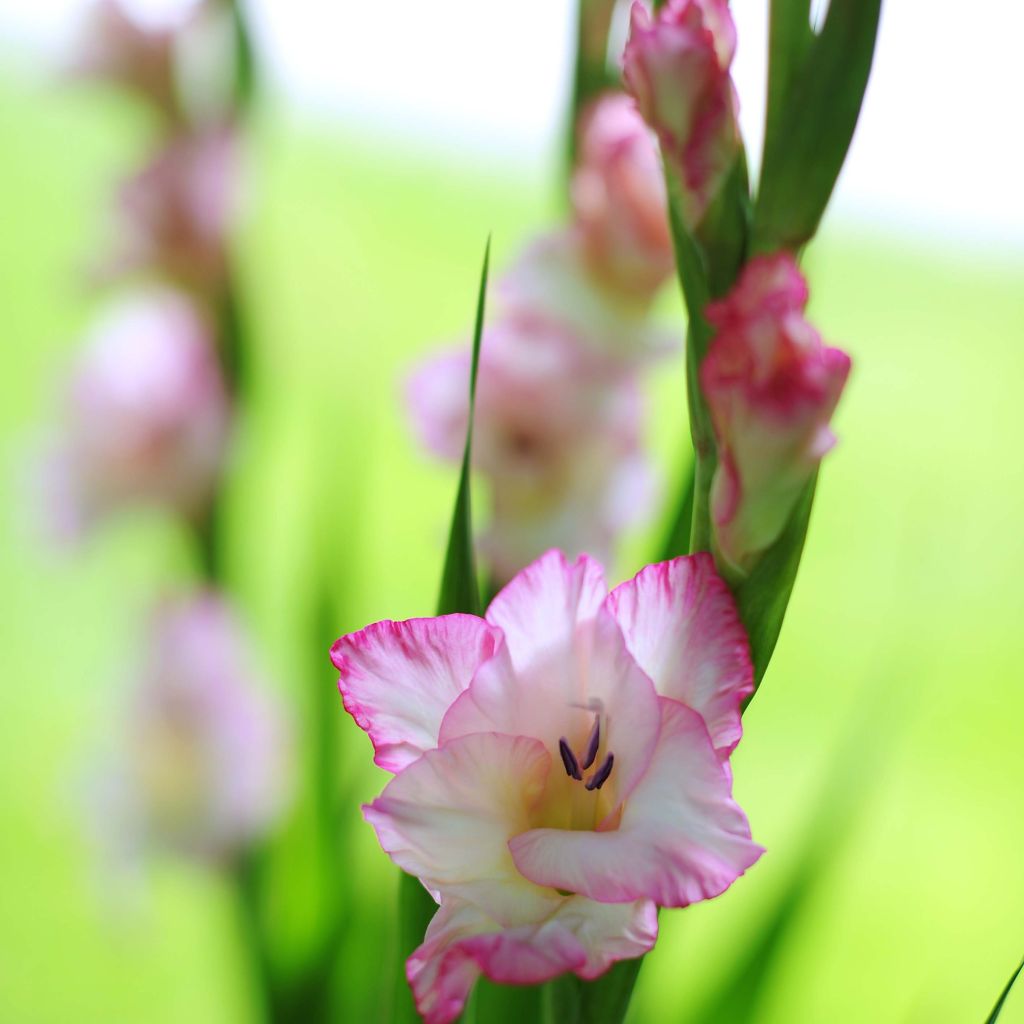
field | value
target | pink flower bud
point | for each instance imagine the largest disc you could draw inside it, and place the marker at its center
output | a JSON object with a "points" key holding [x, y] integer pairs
{"points": [[676, 66], [771, 387], [115, 48], [145, 417], [205, 753], [176, 212], [618, 195]]}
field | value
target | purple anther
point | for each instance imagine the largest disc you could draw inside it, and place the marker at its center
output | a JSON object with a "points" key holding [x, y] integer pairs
{"points": [[572, 766], [600, 777], [594, 741]]}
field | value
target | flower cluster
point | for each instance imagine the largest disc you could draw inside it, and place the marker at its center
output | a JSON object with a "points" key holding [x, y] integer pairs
{"points": [[147, 407], [145, 420], [559, 424], [561, 767]]}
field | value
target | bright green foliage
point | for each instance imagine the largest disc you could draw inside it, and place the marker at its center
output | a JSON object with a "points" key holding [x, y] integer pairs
{"points": [[816, 84]]}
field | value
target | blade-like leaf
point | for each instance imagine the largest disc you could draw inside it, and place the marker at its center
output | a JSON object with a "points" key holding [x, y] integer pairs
{"points": [[814, 103], [998, 1008], [763, 596], [460, 592]]}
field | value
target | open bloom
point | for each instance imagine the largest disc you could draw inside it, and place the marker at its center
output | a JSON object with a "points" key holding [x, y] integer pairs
{"points": [[561, 767], [205, 757], [771, 386], [145, 416], [618, 197], [557, 435], [676, 65]]}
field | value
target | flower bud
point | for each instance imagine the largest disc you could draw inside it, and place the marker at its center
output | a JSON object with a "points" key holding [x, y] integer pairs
{"points": [[145, 416], [113, 47], [205, 754], [771, 387], [175, 213], [676, 66], [618, 196]]}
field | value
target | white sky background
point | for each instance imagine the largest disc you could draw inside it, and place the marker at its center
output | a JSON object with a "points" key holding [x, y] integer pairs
{"points": [[939, 150]]}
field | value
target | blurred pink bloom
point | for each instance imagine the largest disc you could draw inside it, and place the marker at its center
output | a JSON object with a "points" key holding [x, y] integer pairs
{"points": [[552, 283], [175, 213], [771, 386], [676, 64], [557, 435], [618, 195], [114, 47], [206, 755], [561, 767], [145, 417]]}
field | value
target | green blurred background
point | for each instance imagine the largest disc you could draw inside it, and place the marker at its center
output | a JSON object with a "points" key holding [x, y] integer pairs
{"points": [[882, 765]]}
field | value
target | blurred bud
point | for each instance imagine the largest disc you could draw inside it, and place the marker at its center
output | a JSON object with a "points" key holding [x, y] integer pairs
{"points": [[552, 285], [206, 754], [176, 212], [676, 65], [557, 435], [145, 416], [771, 387], [113, 47], [618, 195]]}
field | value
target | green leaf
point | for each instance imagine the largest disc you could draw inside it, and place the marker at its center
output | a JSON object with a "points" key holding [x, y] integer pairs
{"points": [[763, 596], [830, 822], [460, 592], [998, 1008], [816, 88]]}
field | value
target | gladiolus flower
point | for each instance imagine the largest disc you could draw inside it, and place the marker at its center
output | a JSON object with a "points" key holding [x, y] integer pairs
{"points": [[557, 435], [618, 196], [176, 212], [771, 387], [206, 748], [676, 66], [145, 416], [561, 767]]}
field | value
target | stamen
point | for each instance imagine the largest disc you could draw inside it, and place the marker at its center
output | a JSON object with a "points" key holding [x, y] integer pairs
{"points": [[590, 751], [572, 766], [600, 777]]}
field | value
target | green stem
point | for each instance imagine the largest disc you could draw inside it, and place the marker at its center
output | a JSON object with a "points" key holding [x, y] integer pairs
{"points": [[591, 75]]}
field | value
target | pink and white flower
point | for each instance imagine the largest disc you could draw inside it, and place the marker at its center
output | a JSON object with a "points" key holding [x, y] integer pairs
{"points": [[618, 197], [676, 65], [561, 767], [771, 387], [557, 435], [145, 416], [205, 757]]}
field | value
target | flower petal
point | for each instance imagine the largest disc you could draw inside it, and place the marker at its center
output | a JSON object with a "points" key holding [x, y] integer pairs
{"points": [[398, 679], [447, 819], [544, 607], [462, 941], [682, 837], [556, 694], [682, 627]]}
